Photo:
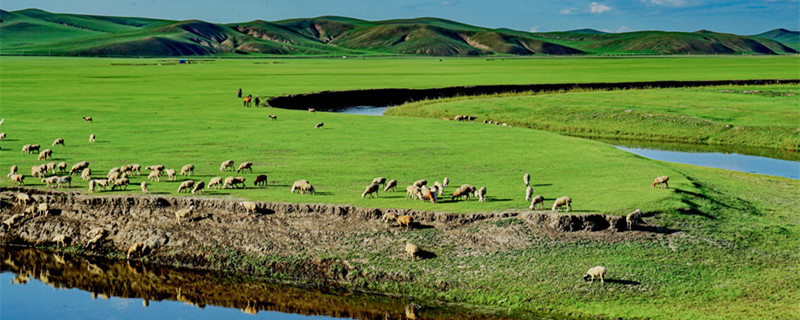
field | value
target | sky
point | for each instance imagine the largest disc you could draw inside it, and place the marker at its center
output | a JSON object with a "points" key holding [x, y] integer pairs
{"points": [[729, 16]]}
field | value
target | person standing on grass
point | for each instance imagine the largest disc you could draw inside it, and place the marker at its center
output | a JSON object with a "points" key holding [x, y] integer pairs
{"points": [[239, 93], [256, 101]]}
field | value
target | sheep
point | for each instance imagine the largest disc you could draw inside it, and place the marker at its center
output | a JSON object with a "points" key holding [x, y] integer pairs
{"points": [[87, 119], [126, 168], [64, 179], [429, 194], [562, 201], [17, 179], [215, 181], [391, 185], [30, 210], [249, 206], [261, 179], [13, 171], [371, 190], [661, 180], [405, 220], [272, 117], [103, 183], [528, 193], [58, 141], [61, 166], [92, 184], [388, 217], [412, 251], [38, 171], [45, 154], [463, 190], [144, 187], [78, 167], [154, 175], [26, 148], [597, 271], [198, 187], [187, 170], [245, 165], [43, 208], [303, 186], [50, 166], [135, 168], [158, 167], [527, 179], [481, 194], [379, 180], [113, 176], [92, 137], [12, 220], [23, 198], [445, 182], [86, 175], [138, 247], [61, 239], [413, 192], [96, 235], [633, 219], [319, 125], [231, 181], [184, 213], [311, 109], [186, 185], [225, 165], [50, 181], [2, 135], [439, 187], [538, 200], [34, 148], [170, 174], [421, 182], [120, 183]]}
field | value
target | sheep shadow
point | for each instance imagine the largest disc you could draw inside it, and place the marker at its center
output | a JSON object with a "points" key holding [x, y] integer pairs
{"points": [[423, 255], [196, 219], [654, 229], [498, 200], [623, 282], [420, 226], [542, 185]]}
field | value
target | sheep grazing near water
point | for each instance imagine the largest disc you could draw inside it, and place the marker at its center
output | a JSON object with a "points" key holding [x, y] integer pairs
{"points": [[245, 165], [528, 193], [421, 182], [187, 170], [144, 187], [215, 182], [17, 179], [412, 251], [661, 182], [87, 119], [597, 271], [121, 182], [379, 180], [319, 125], [303, 186], [61, 166], [527, 179], [184, 213], [562, 201], [391, 185], [405, 220], [154, 175], [96, 235], [186, 185], [261, 179], [632, 219], [13, 170], [58, 141], [30, 210], [371, 190], [225, 165], [45, 154], [170, 174], [61, 240], [92, 137], [249, 206], [138, 247], [414, 192], [537, 201], [78, 167], [463, 190], [233, 181], [481, 194], [22, 198], [439, 188], [198, 187]]}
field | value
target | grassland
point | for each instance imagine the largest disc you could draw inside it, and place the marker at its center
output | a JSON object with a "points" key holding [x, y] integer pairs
{"points": [[732, 253]]}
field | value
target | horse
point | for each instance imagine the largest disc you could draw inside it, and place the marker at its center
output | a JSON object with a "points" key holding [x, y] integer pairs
{"points": [[247, 100]]}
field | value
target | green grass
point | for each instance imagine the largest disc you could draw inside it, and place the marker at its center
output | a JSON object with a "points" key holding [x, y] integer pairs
{"points": [[738, 233]]}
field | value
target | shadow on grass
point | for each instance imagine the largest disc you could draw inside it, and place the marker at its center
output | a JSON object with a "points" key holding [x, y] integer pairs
{"points": [[625, 282], [499, 200], [542, 185], [196, 219], [422, 254]]}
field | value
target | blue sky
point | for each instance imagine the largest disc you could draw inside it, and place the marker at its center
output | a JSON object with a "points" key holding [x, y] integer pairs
{"points": [[731, 16]]}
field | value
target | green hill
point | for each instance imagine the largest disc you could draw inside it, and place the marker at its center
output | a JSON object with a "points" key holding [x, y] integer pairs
{"points": [[37, 32], [787, 37]]}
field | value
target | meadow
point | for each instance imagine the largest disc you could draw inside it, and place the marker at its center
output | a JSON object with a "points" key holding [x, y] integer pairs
{"points": [[732, 253]]}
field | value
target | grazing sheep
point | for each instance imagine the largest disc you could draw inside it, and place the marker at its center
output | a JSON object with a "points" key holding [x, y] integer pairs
{"points": [[138, 247], [439, 187], [158, 167], [78, 167], [233, 181], [481, 194], [38, 171], [379, 180], [58, 141], [198, 187], [661, 180], [311, 109], [126, 168], [388, 217], [303, 186], [12, 220], [45, 154], [463, 190], [17, 179], [633, 219], [562, 201], [22, 198], [412, 251], [528, 193], [121, 182], [413, 192], [245, 165], [103, 183], [170, 174], [26, 148], [537, 201], [261, 179], [86, 174], [50, 181], [249, 206], [371, 190], [92, 137], [50, 166], [113, 175], [421, 182], [271, 117], [319, 125], [64, 179], [184, 213], [144, 187], [154, 175], [225, 165], [597, 271], [87, 119], [187, 170], [30, 209], [13, 170], [43, 208], [34, 148], [61, 166], [527, 179], [2, 135], [445, 182], [61, 240], [135, 168], [215, 181], [186, 185], [405, 220], [428, 194], [391, 185], [92, 184]]}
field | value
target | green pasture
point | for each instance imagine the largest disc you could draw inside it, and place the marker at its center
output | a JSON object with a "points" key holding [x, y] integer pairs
{"points": [[735, 235]]}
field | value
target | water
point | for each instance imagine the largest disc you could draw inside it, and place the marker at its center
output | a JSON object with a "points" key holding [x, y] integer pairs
{"points": [[365, 110]]}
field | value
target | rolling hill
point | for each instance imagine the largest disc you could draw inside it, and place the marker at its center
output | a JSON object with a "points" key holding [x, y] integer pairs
{"points": [[38, 32]]}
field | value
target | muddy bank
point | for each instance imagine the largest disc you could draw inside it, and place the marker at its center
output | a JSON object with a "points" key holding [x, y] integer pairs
{"points": [[336, 100]]}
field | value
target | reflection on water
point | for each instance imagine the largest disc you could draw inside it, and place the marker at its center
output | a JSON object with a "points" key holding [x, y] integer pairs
{"points": [[365, 110], [703, 148], [40, 285]]}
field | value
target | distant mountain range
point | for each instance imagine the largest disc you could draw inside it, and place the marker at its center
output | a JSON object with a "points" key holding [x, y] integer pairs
{"points": [[33, 31]]}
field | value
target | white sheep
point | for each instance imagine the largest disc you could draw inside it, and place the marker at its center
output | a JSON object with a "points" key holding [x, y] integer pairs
{"points": [[413, 192], [379, 180], [103, 183], [187, 170], [463, 190], [121, 182], [428, 194], [92, 184], [58, 141], [303, 186], [481, 194], [86, 174], [528, 193], [61, 166], [225, 165], [64, 179], [249, 206], [50, 166], [154, 175], [215, 181], [13, 170], [2, 135], [412, 251], [421, 182], [170, 174], [198, 187], [26, 148], [45, 154], [597, 271], [17, 179], [135, 168], [91, 137], [527, 179], [158, 167], [371, 190], [186, 185], [662, 180], [445, 182], [50, 181], [22, 198], [13, 220], [562, 201], [43, 208], [79, 166], [245, 165], [632, 219], [439, 187], [233, 181], [39, 171], [184, 213], [144, 187], [30, 209], [538, 200], [96, 235], [391, 185]]}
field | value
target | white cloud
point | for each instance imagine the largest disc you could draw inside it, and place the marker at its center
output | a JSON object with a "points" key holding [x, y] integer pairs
{"points": [[535, 29], [568, 11], [599, 8], [671, 3]]}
